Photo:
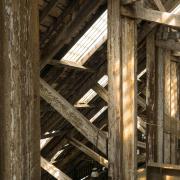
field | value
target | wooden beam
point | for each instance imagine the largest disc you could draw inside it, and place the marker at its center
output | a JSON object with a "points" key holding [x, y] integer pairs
{"points": [[168, 44], [100, 159], [122, 115], [160, 104], [54, 171], [174, 111], [148, 27], [65, 35], [164, 18], [150, 97], [162, 171], [160, 5], [102, 92], [80, 122], [19, 90], [70, 65], [128, 2], [167, 108], [44, 13]]}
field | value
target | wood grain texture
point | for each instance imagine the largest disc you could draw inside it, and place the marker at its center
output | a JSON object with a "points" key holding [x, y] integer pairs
{"points": [[150, 97], [164, 18], [80, 122], [19, 90], [122, 89]]}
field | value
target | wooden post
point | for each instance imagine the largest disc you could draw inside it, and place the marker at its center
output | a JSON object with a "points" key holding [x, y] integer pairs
{"points": [[122, 91], [160, 103], [150, 97], [167, 108], [174, 111], [19, 90]]}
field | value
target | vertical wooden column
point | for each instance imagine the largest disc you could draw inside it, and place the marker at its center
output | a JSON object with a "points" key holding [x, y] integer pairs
{"points": [[122, 94], [19, 90], [167, 107], [150, 97], [160, 103], [174, 112]]}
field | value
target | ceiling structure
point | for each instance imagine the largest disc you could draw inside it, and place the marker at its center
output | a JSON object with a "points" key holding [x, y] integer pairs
{"points": [[73, 48]]}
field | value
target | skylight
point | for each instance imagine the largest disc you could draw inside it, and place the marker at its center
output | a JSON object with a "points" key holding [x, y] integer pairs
{"points": [[94, 37], [91, 93], [98, 114], [176, 10]]}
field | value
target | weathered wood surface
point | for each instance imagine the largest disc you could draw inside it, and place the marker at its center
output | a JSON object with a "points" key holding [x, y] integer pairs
{"points": [[101, 160], [160, 104], [169, 45], [150, 97], [160, 5], [80, 122], [167, 108], [54, 171], [164, 18], [70, 65], [174, 111], [19, 90], [128, 2], [122, 105], [102, 92], [129, 97], [47, 9]]}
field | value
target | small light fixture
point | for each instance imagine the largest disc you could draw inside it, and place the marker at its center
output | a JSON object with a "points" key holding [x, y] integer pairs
{"points": [[94, 173]]}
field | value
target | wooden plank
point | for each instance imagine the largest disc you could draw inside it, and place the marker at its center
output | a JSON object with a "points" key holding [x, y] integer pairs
{"points": [[164, 18], [169, 45], [102, 92], [128, 2], [148, 27], [162, 171], [80, 122], [129, 97], [174, 111], [44, 13], [167, 110], [54, 171], [70, 65], [150, 97], [164, 165], [114, 79], [19, 90], [160, 5], [100, 159], [122, 105], [160, 104]]}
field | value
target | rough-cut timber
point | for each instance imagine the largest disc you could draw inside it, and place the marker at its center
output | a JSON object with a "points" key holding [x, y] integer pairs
{"points": [[164, 18], [100, 159], [80, 122], [54, 171], [122, 90], [150, 97], [167, 107], [19, 90], [160, 103]]}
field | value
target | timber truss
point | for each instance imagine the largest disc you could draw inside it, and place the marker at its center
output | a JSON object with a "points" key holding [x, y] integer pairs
{"points": [[116, 106], [109, 89]]}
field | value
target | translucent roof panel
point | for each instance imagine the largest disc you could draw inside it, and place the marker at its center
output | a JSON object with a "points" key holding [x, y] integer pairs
{"points": [[98, 114], [87, 97], [103, 81], [91, 93], [176, 10], [94, 36]]}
